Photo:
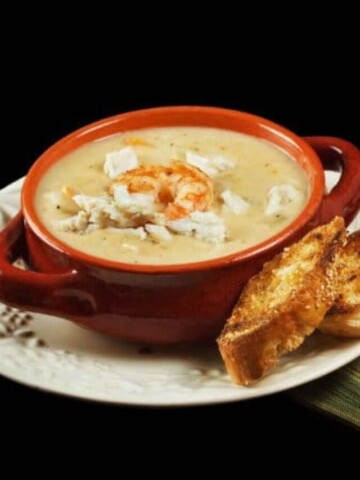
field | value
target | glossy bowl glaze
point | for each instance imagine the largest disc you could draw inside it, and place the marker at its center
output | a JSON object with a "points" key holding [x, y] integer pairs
{"points": [[167, 303]]}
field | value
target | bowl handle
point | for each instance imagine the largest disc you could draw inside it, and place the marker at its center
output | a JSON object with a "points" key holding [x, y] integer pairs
{"points": [[338, 154], [57, 294]]}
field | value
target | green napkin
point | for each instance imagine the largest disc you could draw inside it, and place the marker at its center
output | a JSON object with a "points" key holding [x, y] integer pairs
{"points": [[337, 394]]}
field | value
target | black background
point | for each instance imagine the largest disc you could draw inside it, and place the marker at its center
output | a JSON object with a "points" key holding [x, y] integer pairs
{"points": [[47, 98], [42, 113]]}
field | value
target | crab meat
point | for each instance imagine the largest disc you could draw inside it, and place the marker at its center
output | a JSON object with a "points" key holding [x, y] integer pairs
{"points": [[119, 162], [234, 202], [280, 196], [206, 226], [207, 165]]}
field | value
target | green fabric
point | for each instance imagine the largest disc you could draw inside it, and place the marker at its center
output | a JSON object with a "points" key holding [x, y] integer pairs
{"points": [[337, 394]]}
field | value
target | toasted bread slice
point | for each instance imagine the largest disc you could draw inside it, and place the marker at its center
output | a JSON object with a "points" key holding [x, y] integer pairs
{"points": [[282, 304], [343, 318]]}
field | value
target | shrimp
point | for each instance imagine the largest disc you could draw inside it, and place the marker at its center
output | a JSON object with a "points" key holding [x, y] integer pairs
{"points": [[178, 189]]}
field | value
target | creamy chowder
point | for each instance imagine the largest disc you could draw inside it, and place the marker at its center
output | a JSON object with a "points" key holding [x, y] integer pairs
{"points": [[170, 195]]}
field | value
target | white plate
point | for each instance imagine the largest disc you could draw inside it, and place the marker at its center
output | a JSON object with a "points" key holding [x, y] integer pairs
{"points": [[86, 365]]}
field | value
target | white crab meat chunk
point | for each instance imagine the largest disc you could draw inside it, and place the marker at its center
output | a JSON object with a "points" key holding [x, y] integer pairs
{"points": [[222, 163], [101, 211], [124, 199], [88, 202], [158, 233], [98, 208], [59, 200], [138, 232], [206, 226], [77, 224], [202, 163], [280, 197], [119, 162], [234, 202], [210, 166], [121, 195]]}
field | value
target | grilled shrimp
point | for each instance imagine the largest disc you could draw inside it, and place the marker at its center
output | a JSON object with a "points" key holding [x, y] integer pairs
{"points": [[179, 189]]}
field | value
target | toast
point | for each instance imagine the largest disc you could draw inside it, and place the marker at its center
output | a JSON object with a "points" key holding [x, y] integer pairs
{"points": [[282, 304], [343, 318]]}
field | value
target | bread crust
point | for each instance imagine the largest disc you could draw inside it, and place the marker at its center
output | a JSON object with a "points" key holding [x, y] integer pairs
{"points": [[282, 304], [343, 318]]}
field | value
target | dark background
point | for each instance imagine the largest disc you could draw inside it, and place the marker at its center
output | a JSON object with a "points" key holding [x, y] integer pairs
{"points": [[46, 113], [45, 100]]}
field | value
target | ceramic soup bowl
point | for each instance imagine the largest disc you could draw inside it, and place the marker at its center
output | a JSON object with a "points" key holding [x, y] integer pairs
{"points": [[167, 303]]}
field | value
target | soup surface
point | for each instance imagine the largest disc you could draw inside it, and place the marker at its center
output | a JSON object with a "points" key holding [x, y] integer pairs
{"points": [[183, 194]]}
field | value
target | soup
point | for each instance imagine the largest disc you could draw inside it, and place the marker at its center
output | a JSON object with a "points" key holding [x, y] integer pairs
{"points": [[170, 195]]}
